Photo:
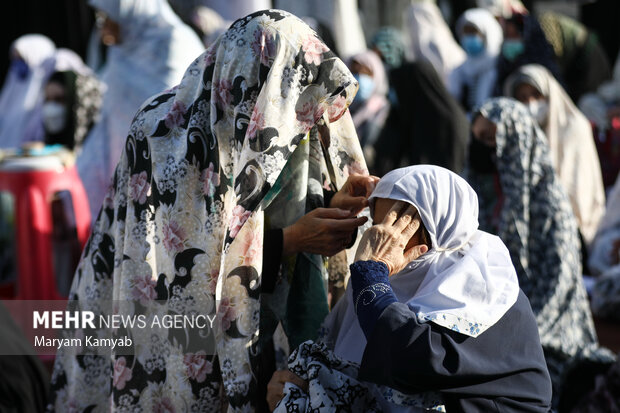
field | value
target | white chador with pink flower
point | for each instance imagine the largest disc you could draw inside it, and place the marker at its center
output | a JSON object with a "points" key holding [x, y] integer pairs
{"points": [[207, 167]]}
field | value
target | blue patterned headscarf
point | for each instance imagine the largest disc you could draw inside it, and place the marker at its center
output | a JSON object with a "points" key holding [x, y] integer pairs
{"points": [[388, 41]]}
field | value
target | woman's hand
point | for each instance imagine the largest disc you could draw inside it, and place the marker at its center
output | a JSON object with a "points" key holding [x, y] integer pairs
{"points": [[275, 387], [354, 193], [386, 242], [325, 231]]}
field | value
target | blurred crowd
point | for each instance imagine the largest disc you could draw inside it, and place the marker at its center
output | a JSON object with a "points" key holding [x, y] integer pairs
{"points": [[525, 106]]}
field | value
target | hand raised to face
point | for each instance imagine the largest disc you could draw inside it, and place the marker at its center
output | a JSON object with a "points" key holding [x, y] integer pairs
{"points": [[389, 240]]}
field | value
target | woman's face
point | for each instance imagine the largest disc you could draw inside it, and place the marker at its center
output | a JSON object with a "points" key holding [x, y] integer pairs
{"points": [[484, 131], [526, 93], [55, 92], [382, 207], [110, 30]]}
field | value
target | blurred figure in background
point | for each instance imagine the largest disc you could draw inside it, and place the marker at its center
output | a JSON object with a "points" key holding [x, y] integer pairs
{"points": [[22, 93], [427, 126], [571, 144], [149, 48], [209, 24], [580, 57], [388, 43], [370, 108], [481, 37], [523, 202], [71, 107], [602, 108], [605, 260], [524, 43], [432, 40]]}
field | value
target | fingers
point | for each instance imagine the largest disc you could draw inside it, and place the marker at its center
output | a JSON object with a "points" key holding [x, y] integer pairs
{"points": [[331, 213], [404, 222], [393, 213], [415, 252], [354, 204], [346, 225], [296, 380]]}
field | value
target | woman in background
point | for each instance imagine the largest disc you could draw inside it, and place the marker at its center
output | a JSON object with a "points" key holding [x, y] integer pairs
{"points": [[523, 202], [149, 48], [571, 144], [481, 37], [370, 107], [22, 93], [71, 107]]}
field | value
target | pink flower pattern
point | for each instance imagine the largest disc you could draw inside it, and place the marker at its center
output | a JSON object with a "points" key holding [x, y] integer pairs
{"points": [[108, 201], [139, 187], [213, 281], [227, 313], [144, 289], [337, 108], [239, 216], [264, 46], [122, 373], [313, 50], [197, 366], [173, 236], [257, 122], [252, 247], [210, 180], [209, 55], [163, 405], [176, 114], [221, 92], [309, 115]]}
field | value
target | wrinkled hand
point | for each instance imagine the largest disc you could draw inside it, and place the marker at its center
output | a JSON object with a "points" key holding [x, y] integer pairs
{"points": [[354, 193], [275, 387], [386, 242], [325, 231]]}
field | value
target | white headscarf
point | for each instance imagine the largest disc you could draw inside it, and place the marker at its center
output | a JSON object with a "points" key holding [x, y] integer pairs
{"points": [[21, 98], [478, 72], [432, 40], [155, 49], [465, 282], [573, 151]]}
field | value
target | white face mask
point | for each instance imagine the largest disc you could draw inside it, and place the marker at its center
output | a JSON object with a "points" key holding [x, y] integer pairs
{"points": [[539, 109], [54, 116]]}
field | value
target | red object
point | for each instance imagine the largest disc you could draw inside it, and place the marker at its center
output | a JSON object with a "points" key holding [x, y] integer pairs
{"points": [[49, 202]]}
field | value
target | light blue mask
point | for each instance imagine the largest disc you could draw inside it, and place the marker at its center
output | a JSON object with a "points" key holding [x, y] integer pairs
{"points": [[367, 86], [511, 49], [472, 44]]}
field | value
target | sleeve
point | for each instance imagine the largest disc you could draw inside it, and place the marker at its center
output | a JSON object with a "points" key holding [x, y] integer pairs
{"points": [[372, 292], [272, 256]]}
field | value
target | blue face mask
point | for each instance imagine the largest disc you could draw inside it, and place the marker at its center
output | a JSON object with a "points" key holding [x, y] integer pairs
{"points": [[367, 86], [21, 68], [472, 44], [511, 49]]}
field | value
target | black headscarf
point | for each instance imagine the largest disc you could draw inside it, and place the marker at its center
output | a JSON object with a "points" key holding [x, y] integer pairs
{"points": [[536, 50], [426, 127]]}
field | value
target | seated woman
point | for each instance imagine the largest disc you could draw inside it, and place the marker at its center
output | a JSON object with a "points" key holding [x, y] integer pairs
{"points": [[571, 144], [434, 314], [522, 201]]}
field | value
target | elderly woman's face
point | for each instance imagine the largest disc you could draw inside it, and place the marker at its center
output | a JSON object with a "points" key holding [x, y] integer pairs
{"points": [[484, 131], [382, 207]]}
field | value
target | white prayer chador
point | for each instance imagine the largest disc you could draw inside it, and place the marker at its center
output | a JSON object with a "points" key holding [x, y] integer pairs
{"points": [[465, 282], [22, 93]]}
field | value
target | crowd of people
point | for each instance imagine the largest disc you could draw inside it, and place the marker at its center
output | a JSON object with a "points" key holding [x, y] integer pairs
{"points": [[393, 221]]}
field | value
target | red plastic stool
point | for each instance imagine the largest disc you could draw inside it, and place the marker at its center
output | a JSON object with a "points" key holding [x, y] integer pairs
{"points": [[50, 221]]}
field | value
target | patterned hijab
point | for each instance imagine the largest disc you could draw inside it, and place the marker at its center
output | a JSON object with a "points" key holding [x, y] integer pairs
{"points": [[84, 97], [537, 225], [206, 167], [571, 144]]}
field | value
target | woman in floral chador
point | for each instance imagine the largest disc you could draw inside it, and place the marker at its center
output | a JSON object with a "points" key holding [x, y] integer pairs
{"points": [[209, 168]]}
